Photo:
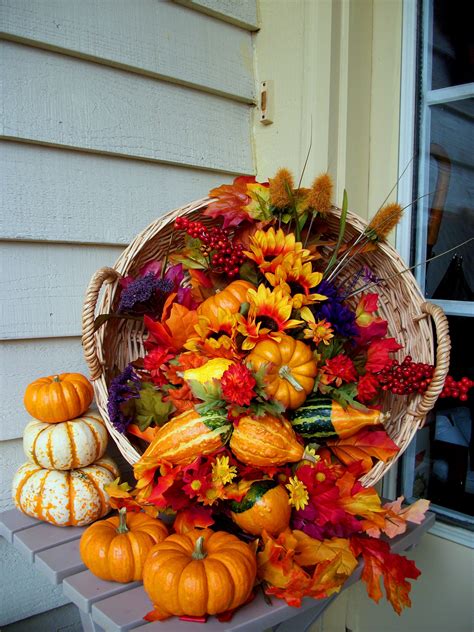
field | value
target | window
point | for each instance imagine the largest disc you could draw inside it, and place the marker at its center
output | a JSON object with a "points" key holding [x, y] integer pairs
{"points": [[439, 74]]}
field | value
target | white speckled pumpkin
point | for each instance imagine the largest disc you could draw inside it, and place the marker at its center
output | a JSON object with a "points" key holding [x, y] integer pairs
{"points": [[64, 498], [66, 445]]}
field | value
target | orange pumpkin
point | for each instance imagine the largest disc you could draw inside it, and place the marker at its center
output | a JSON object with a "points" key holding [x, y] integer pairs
{"points": [[265, 441], [183, 439], [200, 572], [229, 299], [58, 397], [115, 549], [264, 507], [291, 369]]}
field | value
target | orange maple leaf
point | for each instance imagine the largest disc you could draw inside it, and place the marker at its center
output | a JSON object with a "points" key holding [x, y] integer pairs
{"points": [[364, 446], [360, 501]]}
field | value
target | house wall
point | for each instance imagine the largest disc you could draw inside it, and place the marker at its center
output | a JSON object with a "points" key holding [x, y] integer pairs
{"points": [[336, 63], [111, 116]]}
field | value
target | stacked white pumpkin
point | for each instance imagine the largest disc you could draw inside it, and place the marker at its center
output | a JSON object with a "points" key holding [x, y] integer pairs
{"points": [[64, 480]]}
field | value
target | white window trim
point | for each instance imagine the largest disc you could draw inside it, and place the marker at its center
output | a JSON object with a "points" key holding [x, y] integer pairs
{"points": [[453, 533]]}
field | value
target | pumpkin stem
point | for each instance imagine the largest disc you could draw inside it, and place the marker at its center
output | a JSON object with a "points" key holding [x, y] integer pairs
{"points": [[199, 553], [285, 373], [122, 525], [56, 378]]}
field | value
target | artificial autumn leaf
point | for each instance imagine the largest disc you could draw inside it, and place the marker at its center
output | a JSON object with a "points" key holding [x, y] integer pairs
{"points": [[276, 566], [380, 562], [360, 501], [310, 551], [363, 446], [120, 496], [397, 517], [150, 407], [182, 398], [329, 576], [147, 435], [192, 518], [190, 256], [174, 331]]}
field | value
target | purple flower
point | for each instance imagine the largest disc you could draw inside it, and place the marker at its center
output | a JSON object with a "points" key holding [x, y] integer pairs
{"points": [[123, 388], [333, 309], [138, 292]]}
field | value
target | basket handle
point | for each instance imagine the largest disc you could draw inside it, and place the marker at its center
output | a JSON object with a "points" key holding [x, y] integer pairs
{"points": [[103, 275], [442, 358]]}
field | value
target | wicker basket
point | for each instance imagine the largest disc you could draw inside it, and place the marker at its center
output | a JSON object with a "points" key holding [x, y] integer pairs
{"points": [[118, 342]]}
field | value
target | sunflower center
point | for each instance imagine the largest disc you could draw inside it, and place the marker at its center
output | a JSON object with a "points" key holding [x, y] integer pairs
{"points": [[296, 288], [217, 334], [268, 323]]}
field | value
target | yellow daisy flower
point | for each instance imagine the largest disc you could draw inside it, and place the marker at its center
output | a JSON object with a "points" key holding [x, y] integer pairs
{"points": [[299, 496], [318, 331], [222, 472]]}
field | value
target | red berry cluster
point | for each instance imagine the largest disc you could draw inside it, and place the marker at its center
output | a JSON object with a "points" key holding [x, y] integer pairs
{"points": [[405, 378], [457, 390], [226, 256]]}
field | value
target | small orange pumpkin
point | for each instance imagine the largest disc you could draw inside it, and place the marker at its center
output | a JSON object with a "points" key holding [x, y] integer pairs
{"points": [[197, 573], [291, 369], [229, 299], [183, 439], [59, 397], [264, 507], [115, 549], [265, 441]]}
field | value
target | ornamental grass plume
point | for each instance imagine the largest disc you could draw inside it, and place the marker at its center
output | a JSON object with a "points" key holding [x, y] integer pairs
{"points": [[384, 221], [320, 195], [281, 188]]}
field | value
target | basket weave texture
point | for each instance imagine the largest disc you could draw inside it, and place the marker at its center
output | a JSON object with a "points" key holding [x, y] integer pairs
{"points": [[410, 321]]}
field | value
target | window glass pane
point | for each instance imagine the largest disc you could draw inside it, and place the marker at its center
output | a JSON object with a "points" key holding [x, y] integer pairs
{"points": [[453, 43], [444, 452], [451, 216]]}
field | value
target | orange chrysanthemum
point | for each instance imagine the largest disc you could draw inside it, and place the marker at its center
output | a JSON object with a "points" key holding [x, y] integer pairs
{"points": [[269, 247], [268, 316], [295, 277]]}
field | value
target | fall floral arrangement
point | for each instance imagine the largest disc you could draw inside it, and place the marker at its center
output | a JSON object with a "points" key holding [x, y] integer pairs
{"points": [[259, 397]]}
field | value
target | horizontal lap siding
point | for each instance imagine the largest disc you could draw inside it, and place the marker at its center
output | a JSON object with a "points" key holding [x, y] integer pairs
{"points": [[159, 38], [62, 101], [61, 195], [113, 112]]}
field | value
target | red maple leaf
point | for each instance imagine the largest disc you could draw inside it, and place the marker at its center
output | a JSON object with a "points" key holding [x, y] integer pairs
{"points": [[380, 562]]}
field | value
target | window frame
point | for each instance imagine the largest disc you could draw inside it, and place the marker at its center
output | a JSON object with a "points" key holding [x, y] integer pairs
{"points": [[401, 475]]}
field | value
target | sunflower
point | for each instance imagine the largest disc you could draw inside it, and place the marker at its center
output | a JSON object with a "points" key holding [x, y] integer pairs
{"points": [[268, 316], [296, 277], [268, 248], [215, 337]]}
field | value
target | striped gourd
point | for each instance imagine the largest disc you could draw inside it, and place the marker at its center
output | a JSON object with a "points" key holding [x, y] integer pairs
{"points": [[66, 445], [183, 439], [64, 498], [323, 418], [265, 441]]}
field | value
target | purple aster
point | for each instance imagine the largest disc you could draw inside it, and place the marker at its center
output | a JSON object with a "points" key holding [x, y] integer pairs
{"points": [[122, 389], [333, 310], [145, 295]]}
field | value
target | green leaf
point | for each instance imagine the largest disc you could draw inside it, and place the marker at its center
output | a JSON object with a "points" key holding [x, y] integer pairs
{"points": [[344, 395], [248, 272], [150, 407], [342, 230], [207, 392]]}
